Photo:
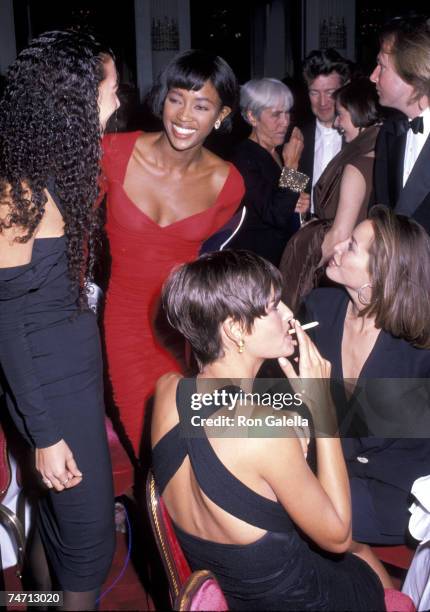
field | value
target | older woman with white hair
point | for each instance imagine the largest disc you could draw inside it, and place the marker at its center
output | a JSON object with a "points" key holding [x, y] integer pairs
{"points": [[274, 187]]}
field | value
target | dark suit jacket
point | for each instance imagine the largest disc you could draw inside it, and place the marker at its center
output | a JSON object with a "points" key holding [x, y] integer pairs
{"points": [[390, 464], [412, 200], [306, 163]]}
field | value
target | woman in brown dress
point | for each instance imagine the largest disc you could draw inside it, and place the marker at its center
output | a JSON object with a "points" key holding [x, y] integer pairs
{"points": [[341, 195]]}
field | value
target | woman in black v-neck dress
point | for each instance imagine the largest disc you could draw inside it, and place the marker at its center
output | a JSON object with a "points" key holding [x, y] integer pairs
{"points": [[386, 423], [58, 96]]}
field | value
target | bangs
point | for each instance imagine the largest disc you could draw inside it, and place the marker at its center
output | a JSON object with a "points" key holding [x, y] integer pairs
{"points": [[188, 77], [190, 71]]}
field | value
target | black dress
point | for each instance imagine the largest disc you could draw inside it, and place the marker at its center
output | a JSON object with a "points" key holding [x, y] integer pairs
{"points": [[52, 375], [280, 571], [270, 219], [386, 421]]}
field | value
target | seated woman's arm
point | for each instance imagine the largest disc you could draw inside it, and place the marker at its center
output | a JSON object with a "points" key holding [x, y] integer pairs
{"points": [[320, 505], [351, 199]]}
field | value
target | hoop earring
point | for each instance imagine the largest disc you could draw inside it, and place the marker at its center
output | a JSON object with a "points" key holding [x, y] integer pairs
{"points": [[241, 346], [360, 297], [217, 124]]}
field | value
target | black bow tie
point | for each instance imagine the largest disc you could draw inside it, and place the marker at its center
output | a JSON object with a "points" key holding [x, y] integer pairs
{"points": [[403, 125], [416, 125]]}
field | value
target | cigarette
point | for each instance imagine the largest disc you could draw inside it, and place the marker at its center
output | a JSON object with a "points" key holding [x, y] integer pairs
{"points": [[305, 326]]}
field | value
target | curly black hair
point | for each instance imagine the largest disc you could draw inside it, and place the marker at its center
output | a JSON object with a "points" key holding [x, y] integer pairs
{"points": [[50, 131]]}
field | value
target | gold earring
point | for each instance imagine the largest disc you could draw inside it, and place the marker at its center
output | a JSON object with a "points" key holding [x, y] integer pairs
{"points": [[217, 124], [241, 345]]}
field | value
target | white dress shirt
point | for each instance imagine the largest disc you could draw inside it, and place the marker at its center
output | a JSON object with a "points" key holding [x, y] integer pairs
{"points": [[414, 144], [328, 143]]}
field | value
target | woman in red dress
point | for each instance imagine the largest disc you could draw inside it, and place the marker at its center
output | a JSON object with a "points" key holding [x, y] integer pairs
{"points": [[166, 195]]}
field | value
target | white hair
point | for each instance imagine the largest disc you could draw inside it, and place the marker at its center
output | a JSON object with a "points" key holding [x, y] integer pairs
{"points": [[258, 94]]}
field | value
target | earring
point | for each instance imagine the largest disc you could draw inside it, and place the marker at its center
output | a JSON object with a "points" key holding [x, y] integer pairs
{"points": [[217, 124], [360, 297], [241, 345]]}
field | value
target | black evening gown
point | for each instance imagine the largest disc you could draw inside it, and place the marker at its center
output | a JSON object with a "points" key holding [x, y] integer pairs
{"points": [[280, 571], [52, 375]]}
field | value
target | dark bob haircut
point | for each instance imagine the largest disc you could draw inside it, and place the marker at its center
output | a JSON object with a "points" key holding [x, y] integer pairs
{"points": [[399, 267], [199, 296], [191, 70], [325, 62], [360, 99]]}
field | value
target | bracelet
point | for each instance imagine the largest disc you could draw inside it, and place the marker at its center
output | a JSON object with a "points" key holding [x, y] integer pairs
{"points": [[293, 179]]}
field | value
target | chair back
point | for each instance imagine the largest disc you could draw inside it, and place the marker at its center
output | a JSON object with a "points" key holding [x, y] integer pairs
{"points": [[175, 564], [395, 601], [201, 593]]}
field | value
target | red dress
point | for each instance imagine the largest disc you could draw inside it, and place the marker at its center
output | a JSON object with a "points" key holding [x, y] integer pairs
{"points": [[143, 254]]}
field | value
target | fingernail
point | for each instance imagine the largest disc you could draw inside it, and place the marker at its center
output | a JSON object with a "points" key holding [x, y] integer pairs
{"points": [[282, 361]]}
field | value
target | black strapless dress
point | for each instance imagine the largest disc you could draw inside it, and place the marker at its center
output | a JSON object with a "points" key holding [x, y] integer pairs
{"points": [[51, 366], [280, 571]]}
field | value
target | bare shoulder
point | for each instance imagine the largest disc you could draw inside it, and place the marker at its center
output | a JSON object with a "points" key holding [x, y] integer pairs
{"points": [[13, 251], [215, 165], [262, 450], [215, 162], [352, 174], [6, 204], [165, 415], [167, 384], [290, 460], [145, 141]]}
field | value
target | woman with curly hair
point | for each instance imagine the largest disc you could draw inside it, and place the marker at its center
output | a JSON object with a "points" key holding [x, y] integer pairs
{"points": [[58, 96]]}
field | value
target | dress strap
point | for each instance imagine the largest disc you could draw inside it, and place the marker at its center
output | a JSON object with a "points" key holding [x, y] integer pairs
{"points": [[117, 151], [167, 457], [217, 482], [51, 187]]}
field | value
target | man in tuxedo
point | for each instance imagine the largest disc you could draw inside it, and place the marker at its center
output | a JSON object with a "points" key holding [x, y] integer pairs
{"points": [[324, 72], [402, 78]]}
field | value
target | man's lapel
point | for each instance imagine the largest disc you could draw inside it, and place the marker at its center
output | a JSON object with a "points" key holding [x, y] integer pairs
{"points": [[418, 184]]}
